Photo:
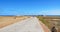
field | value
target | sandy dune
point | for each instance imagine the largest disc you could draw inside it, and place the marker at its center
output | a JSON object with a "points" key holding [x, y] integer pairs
{"points": [[7, 20]]}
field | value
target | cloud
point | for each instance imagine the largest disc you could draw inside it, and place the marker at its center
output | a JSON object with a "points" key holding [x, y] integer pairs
{"points": [[50, 12], [9, 13]]}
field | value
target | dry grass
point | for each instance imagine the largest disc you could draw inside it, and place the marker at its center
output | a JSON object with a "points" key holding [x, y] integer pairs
{"points": [[41, 18], [7, 20], [51, 21]]}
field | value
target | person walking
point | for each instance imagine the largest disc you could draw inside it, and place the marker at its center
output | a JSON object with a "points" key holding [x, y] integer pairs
{"points": [[53, 29]]}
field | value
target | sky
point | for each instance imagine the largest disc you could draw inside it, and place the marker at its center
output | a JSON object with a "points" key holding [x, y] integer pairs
{"points": [[29, 7]]}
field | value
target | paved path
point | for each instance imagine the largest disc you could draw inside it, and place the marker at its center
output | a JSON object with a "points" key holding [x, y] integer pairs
{"points": [[44, 27], [29, 25]]}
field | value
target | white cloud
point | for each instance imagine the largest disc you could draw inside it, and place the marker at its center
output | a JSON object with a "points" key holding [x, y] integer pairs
{"points": [[50, 12]]}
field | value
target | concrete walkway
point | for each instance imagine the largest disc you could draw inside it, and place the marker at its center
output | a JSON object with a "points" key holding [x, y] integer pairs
{"points": [[29, 25]]}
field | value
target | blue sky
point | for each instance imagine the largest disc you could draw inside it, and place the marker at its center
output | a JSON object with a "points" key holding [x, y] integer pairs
{"points": [[29, 7]]}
